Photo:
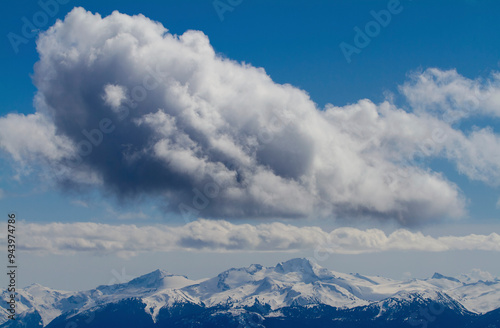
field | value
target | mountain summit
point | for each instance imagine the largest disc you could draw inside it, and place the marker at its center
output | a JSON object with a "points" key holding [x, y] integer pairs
{"points": [[283, 296], [160, 279], [299, 265]]}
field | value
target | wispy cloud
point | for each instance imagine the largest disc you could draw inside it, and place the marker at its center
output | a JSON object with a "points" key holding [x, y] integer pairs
{"points": [[167, 116], [80, 203], [209, 235]]}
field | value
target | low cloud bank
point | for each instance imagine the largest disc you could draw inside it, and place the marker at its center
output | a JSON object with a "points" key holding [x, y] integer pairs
{"points": [[211, 235]]}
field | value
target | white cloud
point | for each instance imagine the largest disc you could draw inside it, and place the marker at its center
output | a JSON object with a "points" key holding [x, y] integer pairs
{"points": [[479, 274], [114, 95], [210, 235], [31, 138], [452, 98], [148, 112], [453, 95]]}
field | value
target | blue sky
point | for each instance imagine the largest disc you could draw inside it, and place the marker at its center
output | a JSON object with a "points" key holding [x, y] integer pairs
{"points": [[297, 43]]}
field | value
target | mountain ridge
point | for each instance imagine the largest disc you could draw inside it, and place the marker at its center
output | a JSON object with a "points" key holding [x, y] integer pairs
{"points": [[296, 283]]}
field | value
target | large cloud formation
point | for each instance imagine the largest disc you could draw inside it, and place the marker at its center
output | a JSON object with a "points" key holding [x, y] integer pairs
{"points": [[124, 105], [216, 235]]}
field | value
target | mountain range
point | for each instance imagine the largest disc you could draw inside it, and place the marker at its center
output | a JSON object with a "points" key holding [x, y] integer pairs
{"points": [[295, 293]]}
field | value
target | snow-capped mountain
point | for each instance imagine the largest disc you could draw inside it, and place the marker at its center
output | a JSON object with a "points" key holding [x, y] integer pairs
{"points": [[297, 289]]}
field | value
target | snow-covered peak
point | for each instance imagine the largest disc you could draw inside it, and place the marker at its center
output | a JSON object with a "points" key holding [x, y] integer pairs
{"points": [[477, 275], [294, 282], [39, 290], [45, 301], [42, 290], [296, 265], [153, 279], [481, 296], [297, 282], [440, 276], [307, 270], [253, 268], [424, 294], [34, 286], [148, 283], [444, 282], [292, 271]]}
